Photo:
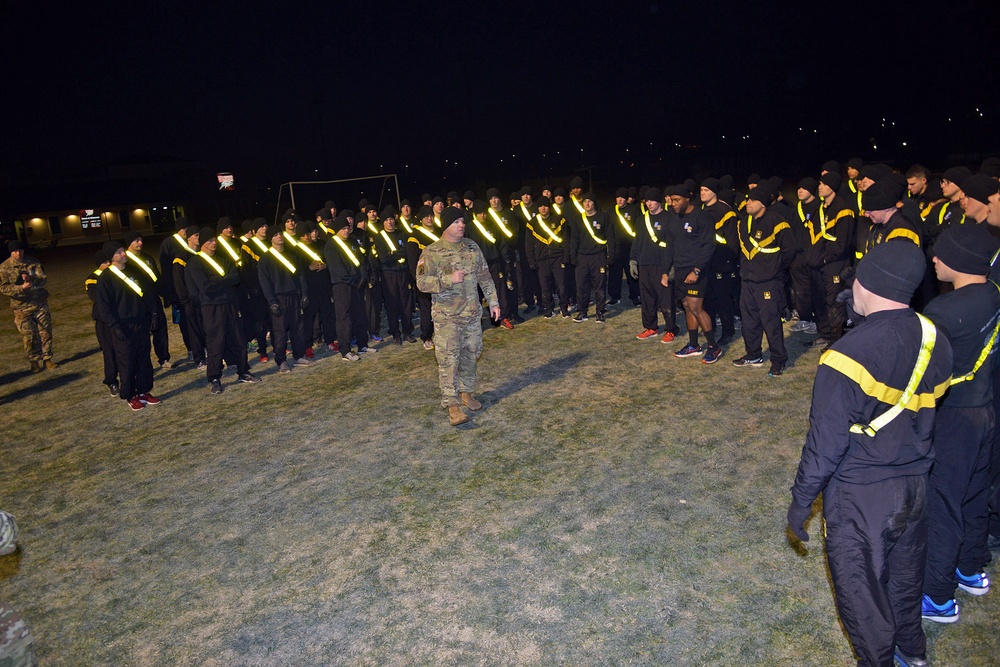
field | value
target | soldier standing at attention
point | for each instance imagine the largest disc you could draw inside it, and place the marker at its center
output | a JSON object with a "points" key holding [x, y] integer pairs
{"points": [[23, 280], [450, 270]]}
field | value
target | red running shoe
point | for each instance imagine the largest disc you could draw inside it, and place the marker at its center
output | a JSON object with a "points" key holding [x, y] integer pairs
{"points": [[149, 399], [646, 334], [136, 404]]}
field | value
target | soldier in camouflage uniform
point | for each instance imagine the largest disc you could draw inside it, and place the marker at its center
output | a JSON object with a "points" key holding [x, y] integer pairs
{"points": [[17, 647], [23, 280], [450, 270]]}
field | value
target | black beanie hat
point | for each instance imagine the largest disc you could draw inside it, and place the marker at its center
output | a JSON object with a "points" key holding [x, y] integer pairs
{"points": [[516, 194], [424, 212], [324, 214], [892, 270], [340, 222], [451, 215], [192, 230], [405, 202], [469, 194], [526, 190], [653, 194], [425, 197], [180, 223], [753, 179], [590, 196], [306, 227], [712, 184], [110, 248], [223, 223], [991, 167], [329, 204], [14, 246], [542, 201], [479, 206], [492, 192], [99, 257], [831, 166], [726, 181], [957, 175], [761, 193], [855, 163], [453, 196], [621, 192], [388, 212], [272, 231], [881, 195], [980, 187], [257, 224], [831, 179], [633, 191], [809, 185], [576, 182], [967, 248], [559, 192], [206, 234], [677, 191], [132, 236]]}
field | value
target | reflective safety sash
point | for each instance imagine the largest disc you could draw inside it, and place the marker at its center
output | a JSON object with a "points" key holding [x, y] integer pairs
{"points": [[347, 251], [621, 218], [578, 205], [428, 233], [525, 212], [483, 230], [184, 243], [260, 245], [213, 263], [326, 229], [388, 241], [230, 250], [586, 223], [437, 220], [547, 230], [309, 251], [406, 225], [503, 228], [125, 279], [288, 265], [142, 265], [982, 355], [944, 209], [291, 239], [556, 208], [823, 229], [928, 335], [719, 238], [652, 232]]}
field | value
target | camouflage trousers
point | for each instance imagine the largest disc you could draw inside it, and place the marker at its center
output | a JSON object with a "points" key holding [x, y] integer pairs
{"points": [[17, 647], [458, 343], [34, 323]]}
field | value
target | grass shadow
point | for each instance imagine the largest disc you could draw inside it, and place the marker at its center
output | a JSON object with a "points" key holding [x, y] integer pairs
{"points": [[48, 384], [83, 354], [550, 370]]}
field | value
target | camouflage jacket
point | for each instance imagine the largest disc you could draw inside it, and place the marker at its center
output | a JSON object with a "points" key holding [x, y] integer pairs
{"points": [[438, 261], [13, 274]]}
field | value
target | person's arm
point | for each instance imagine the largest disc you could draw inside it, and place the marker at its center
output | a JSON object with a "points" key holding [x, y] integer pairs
{"points": [[429, 276], [485, 281]]}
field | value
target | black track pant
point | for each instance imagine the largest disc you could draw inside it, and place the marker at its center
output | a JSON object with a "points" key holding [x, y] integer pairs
{"points": [[552, 278], [591, 274], [397, 294], [224, 339], [830, 315], [287, 326], [656, 299], [723, 293], [105, 341], [349, 304], [760, 306], [132, 354]]}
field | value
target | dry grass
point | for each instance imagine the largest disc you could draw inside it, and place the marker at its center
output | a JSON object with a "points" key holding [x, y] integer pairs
{"points": [[612, 505]]}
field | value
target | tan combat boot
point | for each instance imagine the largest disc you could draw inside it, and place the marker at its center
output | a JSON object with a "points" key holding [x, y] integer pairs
{"points": [[35, 368], [469, 401], [51, 364], [456, 416]]}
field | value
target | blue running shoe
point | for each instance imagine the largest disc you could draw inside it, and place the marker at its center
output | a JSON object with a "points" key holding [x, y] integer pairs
{"points": [[977, 584], [689, 350], [376, 338], [712, 354], [946, 613]]}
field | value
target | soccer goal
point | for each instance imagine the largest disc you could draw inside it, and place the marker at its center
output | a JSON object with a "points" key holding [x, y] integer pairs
{"points": [[307, 197]]}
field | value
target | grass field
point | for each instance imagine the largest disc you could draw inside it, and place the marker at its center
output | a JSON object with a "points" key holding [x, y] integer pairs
{"points": [[611, 505]]}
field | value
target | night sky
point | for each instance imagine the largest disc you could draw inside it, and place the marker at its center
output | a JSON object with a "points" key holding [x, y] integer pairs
{"points": [[305, 90]]}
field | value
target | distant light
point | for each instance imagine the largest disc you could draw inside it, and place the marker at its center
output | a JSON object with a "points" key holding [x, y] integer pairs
{"points": [[904, 143], [874, 147]]}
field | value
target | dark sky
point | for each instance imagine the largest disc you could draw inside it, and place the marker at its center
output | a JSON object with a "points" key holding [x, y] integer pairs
{"points": [[294, 90]]}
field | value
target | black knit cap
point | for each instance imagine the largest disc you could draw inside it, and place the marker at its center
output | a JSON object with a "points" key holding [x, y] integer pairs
{"points": [[980, 187], [526, 190], [258, 223], [110, 248], [206, 234], [469, 194], [991, 167], [453, 195], [329, 204], [967, 248], [180, 223], [132, 236], [677, 191], [388, 212], [516, 194], [633, 191], [340, 222], [761, 193], [590, 196], [192, 230], [712, 184], [892, 270], [425, 197], [272, 231], [492, 192], [479, 206], [831, 179], [247, 226], [405, 202], [223, 223], [621, 192], [653, 194], [576, 182], [559, 192], [451, 215], [424, 212], [753, 179], [437, 200], [324, 214], [957, 175], [855, 163], [809, 185], [542, 201], [307, 227], [831, 166], [881, 195], [99, 257]]}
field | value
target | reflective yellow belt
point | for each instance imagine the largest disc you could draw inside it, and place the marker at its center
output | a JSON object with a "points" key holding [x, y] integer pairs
{"points": [[555, 207], [525, 212], [184, 243], [260, 245], [428, 233], [982, 355], [928, 334], [545, 228], [309, 251], [625, 225], [652, 232], [142, 265], [388, 241], [347, 251], [125, 279], [291, 239], [437, 220], [229, 249], [406, 224], [597, 240], [503, 228], [482, 230], [215, 265], [288, 265]]}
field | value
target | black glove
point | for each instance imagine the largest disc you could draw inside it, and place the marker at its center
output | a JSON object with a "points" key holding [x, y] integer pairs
{"points": [[305, 302], [797, 517], [118, 332], [633, 269], [276, 310]]}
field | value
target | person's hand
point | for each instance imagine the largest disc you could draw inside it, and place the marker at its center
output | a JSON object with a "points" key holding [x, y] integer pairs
{"points": [[797, 517], [495, 312], [155, 321], [457, 276], [633, 269], [305, 302], [691, 279], [665, 280], [276, 309], [317, 266]]}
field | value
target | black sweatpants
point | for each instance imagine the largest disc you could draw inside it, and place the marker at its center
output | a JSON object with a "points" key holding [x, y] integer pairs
{"points": [[352, 322], [135, 370], [373, 303], [656, 299], [958, 498], [802, 288], [161, 339], [195, 329], [592, 274], [760, 306], [552, 278], [397, 294], [223, 339], [619, 269], [106, 343], [287, 326], [876, 539], [426, 323], [319, 309], [830, 314], [723, 294]]}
